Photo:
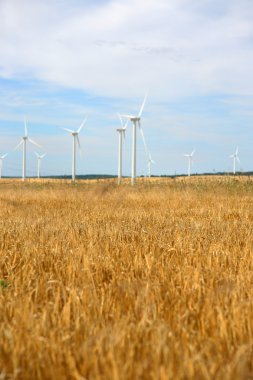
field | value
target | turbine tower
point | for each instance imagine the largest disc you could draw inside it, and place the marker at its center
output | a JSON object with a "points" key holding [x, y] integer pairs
{"points": [[39, 158], [121, 132], [75, 140], [1, 163], [23, 142], [235, 158], [136, 120], [190, 160]]}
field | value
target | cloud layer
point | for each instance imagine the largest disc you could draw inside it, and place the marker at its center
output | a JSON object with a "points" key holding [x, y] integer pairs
{"points": [[111, 48]]}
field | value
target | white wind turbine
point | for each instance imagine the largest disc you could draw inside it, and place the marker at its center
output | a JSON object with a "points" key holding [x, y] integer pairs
{"points": [[148, 154], [39, 158], [23, 142], [190, 161], [1, 163], [136, 120], [75, 140], [150, 162], [235, 158], [121, 132]]}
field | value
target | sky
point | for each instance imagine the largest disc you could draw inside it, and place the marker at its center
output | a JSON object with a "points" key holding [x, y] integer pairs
{"points": [[62, 61]]}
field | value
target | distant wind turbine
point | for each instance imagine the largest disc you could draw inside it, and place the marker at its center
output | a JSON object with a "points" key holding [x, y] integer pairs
{"points": [[75, 140], [39, 158], [23, 142], [150, 162], [148, 154], [190, 161], [136, 120], [235, 158], [1, 163], [121, 132]]}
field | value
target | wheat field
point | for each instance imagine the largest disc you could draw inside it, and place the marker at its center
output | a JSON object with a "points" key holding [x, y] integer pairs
{"points": [[105, 282]]}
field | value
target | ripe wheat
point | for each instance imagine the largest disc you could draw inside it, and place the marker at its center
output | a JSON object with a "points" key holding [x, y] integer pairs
{"points": [[106, 282]]}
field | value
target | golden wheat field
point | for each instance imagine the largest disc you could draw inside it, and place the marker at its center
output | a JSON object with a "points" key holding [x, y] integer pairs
{"points": [[105, 282]]}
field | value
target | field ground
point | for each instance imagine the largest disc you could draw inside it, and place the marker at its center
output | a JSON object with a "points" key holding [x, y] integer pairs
{"points": [[106, 282]]}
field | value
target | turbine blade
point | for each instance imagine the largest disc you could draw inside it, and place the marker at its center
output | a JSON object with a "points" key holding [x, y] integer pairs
{"points": [[79, 145], [238, 159], [37, 154], [236, 152], [43, 155], [125, 126], [20, 143], [143, 139], [121, 120], [192, 153], [68, 130], [82, 125], [2, 157], [34, 143], [128, 116], [142, 106], [26, 131], [150, 158], [78, 142]]}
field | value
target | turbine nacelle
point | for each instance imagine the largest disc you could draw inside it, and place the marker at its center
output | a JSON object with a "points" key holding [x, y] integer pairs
{"points": [[235, 156], [121, 129], [133, 119], [73, 133]]}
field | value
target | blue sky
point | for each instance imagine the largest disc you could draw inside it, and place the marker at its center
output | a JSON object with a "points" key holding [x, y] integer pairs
{"points": [[61, 61]]}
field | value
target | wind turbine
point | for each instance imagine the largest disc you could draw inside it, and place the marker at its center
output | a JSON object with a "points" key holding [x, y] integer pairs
{"points": [[190, 160], [23, 142], [39, 158], [121, 132], [150, 162], [148, 154], [75, 140], [136, 120], [1, 163], [235, 158]]}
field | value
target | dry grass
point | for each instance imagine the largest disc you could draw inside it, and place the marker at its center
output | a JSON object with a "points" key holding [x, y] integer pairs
{"points": [[151, 282]]}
